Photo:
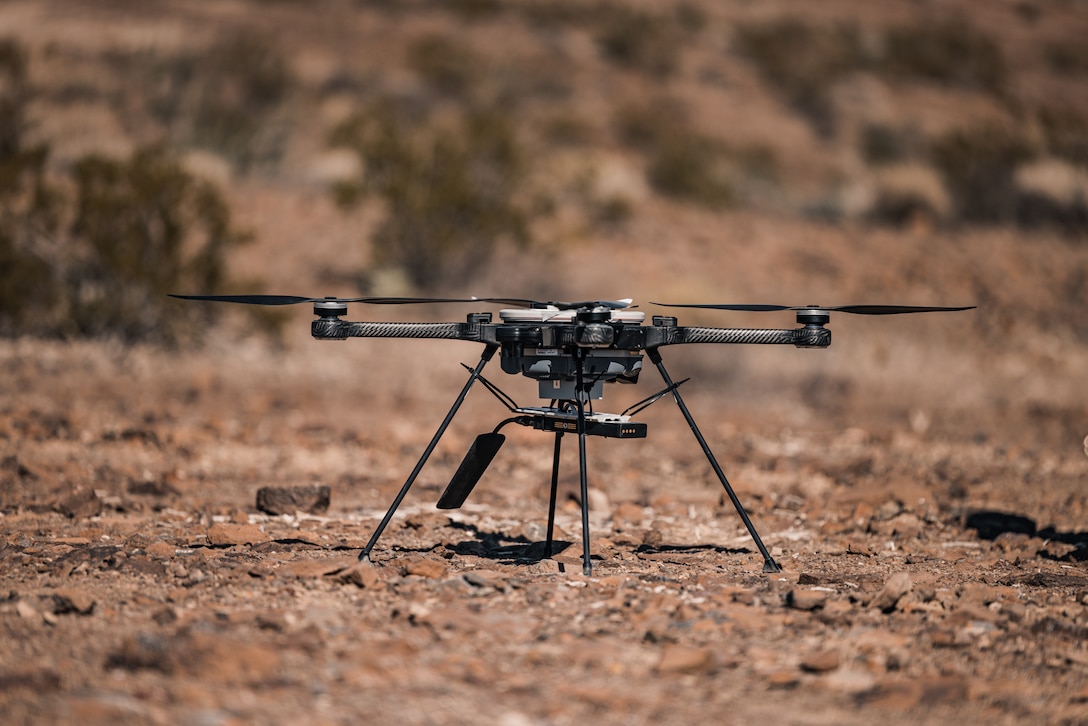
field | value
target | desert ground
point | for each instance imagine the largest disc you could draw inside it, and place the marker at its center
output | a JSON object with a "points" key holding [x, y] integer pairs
{"points": [[921, 482]]}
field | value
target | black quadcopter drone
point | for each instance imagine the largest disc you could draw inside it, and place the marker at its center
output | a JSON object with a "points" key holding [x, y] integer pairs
{"points": [[571, 349]]}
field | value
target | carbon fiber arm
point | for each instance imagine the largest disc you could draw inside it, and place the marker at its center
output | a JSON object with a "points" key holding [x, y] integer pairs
{"points": [[807, 337], [326, 329], [631, 338]]}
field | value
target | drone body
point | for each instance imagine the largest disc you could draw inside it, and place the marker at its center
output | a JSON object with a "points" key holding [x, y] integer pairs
{"points": [[549, 345], [572, 350]]}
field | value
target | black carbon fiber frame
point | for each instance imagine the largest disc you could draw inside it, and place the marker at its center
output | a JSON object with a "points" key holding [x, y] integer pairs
{"points": [[340, 329], [631, 337], [808, 337]]}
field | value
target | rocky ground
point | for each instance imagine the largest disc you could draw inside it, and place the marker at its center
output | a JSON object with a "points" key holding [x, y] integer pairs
{"points": [[933, 561], [921, 482]]}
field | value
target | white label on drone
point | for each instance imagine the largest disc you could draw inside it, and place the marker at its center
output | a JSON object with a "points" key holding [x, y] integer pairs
{"points": [[546, 351]]}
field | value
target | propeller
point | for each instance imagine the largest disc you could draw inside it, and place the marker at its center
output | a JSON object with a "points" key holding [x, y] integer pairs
{"points": [[295, 300], [855, 309]]}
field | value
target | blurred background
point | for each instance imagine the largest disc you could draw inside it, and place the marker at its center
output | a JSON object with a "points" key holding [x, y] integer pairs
{"points": [[843, 152]]}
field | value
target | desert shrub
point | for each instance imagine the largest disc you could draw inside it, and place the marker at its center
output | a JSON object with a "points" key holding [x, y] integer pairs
{"points": [[803, 62], [1052, 193], [687, 167], [639, 41], [1028, 12], [473, 10], [883, 144], [1065, 134], [143, 228], [14, 96], [909, 193], [978, 166], [447, 66], [682, 163], [243, 79], [30, 205], [565, 129], [1067, 58], [95, 251], [690, 18], [451, 193], [642, 125], [224, 98], [951, 52], [611, 211], [571, 13], [29, 218]]}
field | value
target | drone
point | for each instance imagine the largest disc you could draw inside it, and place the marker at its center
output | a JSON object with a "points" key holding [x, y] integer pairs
{"points": [[572, 350]]}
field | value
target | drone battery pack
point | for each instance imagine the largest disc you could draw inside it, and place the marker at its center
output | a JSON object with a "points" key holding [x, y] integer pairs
{"points": [[472, 467], [609, 429], [613, 426]]}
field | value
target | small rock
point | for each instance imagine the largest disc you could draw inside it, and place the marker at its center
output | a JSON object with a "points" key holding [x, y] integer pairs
{"points": [[73, 541], [73, 601], [887, 510], [653, 538], [11, 463], [905, 694], [165, 616], [478, 578], [289, 500], [946, 638], [26, 611], [834, 611], [361, 574], [81, 504], [225, 534], [161, 550], [977, 593], [895, 588], [684, 659], [627, 513], [781, 678], [426, 568], [806, 599], [820, 662], [598, 500]]}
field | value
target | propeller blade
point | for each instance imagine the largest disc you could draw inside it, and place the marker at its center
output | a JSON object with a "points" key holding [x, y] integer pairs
{"points": [[267, 299], [295, 300], [855, 309], [894, 309]]}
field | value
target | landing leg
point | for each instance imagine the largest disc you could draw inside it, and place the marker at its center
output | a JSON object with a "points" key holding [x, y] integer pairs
{"points": [[769, 565], [554, 493], [488, 353], [587, 568]]}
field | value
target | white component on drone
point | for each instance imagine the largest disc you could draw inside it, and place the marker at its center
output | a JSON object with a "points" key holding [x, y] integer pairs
{"points": [[555, 315]]}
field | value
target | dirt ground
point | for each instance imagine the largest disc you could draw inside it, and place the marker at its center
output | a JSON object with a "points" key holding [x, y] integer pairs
{"points": [[921, 482]]}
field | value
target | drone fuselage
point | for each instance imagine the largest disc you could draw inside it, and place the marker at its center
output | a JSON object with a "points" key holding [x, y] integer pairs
{"points": [[550, 345]]}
